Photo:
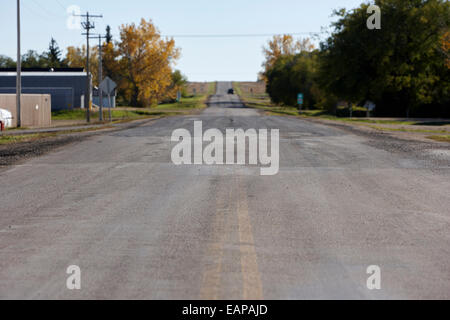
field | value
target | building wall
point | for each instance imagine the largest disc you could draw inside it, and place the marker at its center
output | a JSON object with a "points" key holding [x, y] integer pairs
{"points": [[66, 89], [107, 103]]}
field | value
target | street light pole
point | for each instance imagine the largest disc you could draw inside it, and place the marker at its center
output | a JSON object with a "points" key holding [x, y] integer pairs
{"points": [[19, 69]]}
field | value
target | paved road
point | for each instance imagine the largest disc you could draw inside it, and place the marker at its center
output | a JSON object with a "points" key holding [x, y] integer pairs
{"points": [[140, 227]]}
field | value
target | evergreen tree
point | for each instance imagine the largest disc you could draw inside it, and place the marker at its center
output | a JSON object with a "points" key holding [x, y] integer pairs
{"points": [[54, 55], [108, 34]]}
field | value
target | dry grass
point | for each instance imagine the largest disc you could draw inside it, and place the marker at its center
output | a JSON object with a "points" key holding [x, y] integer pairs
{"points": [[11, 139], [440, 138], [202, 88], [249, 88]]}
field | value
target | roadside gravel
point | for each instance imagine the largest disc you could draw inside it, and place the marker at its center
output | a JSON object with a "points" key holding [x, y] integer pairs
{"points": [[15, 153]]}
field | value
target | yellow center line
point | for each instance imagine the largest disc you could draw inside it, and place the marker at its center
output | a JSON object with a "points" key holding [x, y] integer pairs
{"points": [[252, 285], [212, 276]]}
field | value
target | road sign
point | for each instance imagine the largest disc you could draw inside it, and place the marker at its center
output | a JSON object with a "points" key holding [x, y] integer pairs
{"points": [[370, 106], [108, 86], [300, 99]]}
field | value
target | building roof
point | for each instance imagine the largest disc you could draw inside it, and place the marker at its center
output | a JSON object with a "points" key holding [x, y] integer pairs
{"points": [[43, 70], [45, 74]]}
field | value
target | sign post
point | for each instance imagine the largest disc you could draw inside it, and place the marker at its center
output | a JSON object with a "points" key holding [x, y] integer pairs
{"points": [[109, 109], [300, 100], [108, 86]]}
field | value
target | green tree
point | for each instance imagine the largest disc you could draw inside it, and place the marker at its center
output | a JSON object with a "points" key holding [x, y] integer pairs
{"points": [[32, 59], [293, 74], [400, 67], [282, 45], [53, 55], [108, 34], [7, 62], [179, 82]]}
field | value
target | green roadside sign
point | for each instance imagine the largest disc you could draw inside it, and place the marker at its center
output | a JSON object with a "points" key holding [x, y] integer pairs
{"points": [[300, 99]]}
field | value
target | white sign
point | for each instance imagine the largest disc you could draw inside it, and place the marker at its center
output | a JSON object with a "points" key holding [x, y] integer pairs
{"points": [[370, 106]]}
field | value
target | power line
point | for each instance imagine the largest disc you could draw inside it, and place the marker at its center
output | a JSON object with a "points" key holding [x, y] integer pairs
{"points": [[249, 35], [61, 5], [34, 13], [48, 12]]}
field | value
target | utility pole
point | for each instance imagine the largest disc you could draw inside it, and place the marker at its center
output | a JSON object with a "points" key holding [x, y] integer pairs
{"points": [[19, 70], [100, 76], [100, 73], [88, 25]]}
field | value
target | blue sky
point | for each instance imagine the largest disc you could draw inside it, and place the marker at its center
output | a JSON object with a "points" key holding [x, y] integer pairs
{"points": [[203, 59]]}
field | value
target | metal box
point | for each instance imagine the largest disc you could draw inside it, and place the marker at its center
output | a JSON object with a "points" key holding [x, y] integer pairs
{"points": [[36, 109]]}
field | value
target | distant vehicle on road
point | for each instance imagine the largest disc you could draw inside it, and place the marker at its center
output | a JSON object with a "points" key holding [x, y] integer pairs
{"points": [[230, 91]]}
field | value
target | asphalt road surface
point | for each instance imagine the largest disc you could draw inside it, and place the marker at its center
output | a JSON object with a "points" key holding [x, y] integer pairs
{"points": [[140, 227]]}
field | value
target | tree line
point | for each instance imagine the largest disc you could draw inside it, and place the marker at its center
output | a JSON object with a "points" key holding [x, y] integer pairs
{"points": [[141, 63], [404, 67]]}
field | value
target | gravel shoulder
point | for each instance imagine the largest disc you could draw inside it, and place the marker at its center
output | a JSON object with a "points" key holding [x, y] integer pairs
{"points": [[375, 130], [16, 153]]}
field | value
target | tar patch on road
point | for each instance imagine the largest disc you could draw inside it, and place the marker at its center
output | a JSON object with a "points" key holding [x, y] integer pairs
{"points": [[14, 153]]}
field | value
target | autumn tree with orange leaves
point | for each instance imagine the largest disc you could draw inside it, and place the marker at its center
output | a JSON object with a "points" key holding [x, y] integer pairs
{"points": [[140, 62], [76, 58], [145, 61]]}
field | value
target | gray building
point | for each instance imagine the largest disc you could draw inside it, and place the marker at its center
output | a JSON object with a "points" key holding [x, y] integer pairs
{"points": [[66, 86]]}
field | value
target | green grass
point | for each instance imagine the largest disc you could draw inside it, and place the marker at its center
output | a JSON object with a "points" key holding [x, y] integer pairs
{"points": [[407, 130], [445, 138], [212, 88], [382, 121], [237, 89], [322, 114], [266, 105], [11, 139], [197, 102], [128, 113], [76, 114], [270, 109], [79, 114]]}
